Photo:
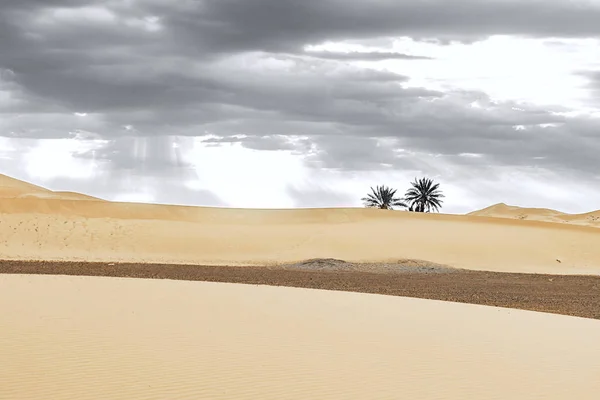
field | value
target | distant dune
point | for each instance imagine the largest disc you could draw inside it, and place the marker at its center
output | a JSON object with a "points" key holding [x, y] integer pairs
{"points": [[40, 224], [14, 188], [502, 210]]}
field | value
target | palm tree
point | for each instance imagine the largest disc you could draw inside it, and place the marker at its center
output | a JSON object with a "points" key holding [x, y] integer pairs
{"points": [[424, 196], [384, 198]]}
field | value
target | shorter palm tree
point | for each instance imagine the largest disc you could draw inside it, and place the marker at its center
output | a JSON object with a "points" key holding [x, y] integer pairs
{"points": [[424, 196], [384, 198]]}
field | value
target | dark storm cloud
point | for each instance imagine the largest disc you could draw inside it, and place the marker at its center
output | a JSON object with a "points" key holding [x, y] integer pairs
{"points": [[448, 126], [238, 67], [447, 131], [254, 17], [159, 102], [36, 4], [280, 25]]}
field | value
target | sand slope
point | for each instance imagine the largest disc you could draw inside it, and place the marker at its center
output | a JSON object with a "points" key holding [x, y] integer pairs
{"points": [[109, 338], [14, 188], [539, 214], [45, 228]]}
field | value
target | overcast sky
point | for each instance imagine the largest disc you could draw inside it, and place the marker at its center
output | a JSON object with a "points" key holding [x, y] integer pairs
{"points": [[288, 103]]}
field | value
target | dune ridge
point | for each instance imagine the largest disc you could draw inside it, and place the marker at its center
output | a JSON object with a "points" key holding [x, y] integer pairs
{"points": [[36, 226], [502, 210], [11, 188]]}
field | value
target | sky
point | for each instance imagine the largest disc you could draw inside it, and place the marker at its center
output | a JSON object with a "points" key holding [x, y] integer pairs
{"points": [[287, 103]]}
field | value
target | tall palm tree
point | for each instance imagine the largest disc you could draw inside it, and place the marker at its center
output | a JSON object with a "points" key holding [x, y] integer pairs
{"points": [[424, 196], [383, 197]]}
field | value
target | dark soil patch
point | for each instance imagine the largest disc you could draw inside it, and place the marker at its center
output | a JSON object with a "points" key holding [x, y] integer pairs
{"points": [[561, 294]]}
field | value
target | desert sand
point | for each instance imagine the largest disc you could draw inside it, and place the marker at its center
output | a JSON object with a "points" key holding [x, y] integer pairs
{"points": [[113, 338], [38, 224], [66, 337]]}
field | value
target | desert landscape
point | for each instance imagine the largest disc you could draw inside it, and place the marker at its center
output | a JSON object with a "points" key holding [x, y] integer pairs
{"points": [[298, 200], [38, 224], [74, 324]]}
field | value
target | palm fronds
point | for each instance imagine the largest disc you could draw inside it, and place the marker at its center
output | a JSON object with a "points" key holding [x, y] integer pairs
{"points": [[424, 196], [384, 198]]}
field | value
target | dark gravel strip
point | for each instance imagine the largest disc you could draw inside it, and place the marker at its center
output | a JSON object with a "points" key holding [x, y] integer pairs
{"points": [[560, 294]]}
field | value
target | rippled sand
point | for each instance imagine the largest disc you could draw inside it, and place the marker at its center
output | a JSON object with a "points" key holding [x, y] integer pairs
{"points": [[110, 338]]}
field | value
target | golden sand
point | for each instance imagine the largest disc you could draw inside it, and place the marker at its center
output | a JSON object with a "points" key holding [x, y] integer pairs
{"points": [[38, 224], [111, 338]]}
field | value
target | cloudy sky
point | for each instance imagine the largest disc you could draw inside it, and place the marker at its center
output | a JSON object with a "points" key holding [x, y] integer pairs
{"points": [[288, 103]]}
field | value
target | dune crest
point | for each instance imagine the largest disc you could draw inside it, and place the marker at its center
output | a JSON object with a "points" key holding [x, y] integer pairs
{"points": [[37, 224], [11, 188], [502, 210]]}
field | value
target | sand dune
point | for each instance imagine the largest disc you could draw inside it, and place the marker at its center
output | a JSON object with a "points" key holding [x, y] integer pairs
{"points": [[14, 188], [109, 338], [539, 214], [46, 228], [75, 196], [91, 338], [10, 187]]}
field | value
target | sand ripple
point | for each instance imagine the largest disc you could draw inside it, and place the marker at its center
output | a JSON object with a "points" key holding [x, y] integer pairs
{"points": [[110, 338]]}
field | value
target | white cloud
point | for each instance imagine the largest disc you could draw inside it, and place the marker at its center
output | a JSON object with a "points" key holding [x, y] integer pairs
{"points": [[540, 71], [149, 23], [100, 15], [52, 158], [135, 197], [243, 177]]}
